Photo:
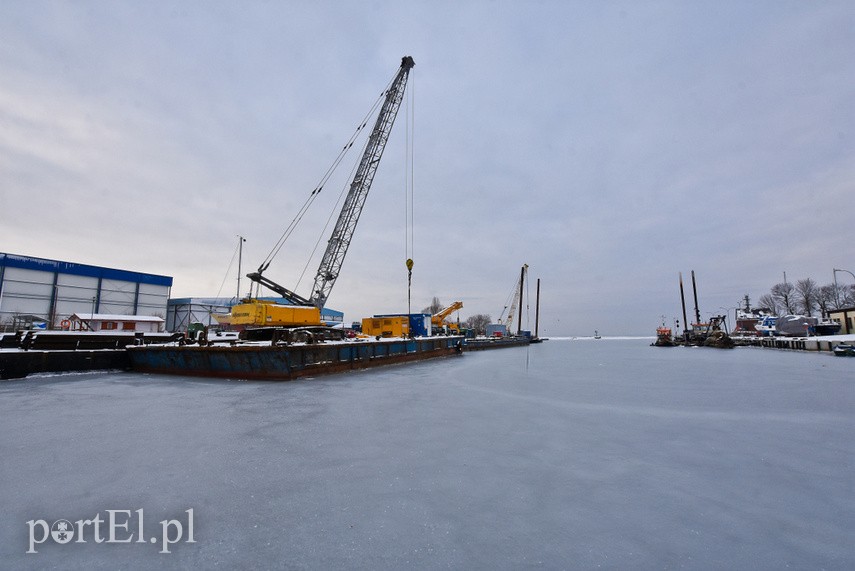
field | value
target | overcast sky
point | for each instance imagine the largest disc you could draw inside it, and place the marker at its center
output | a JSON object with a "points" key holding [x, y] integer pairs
{"points": [[609, 145]]}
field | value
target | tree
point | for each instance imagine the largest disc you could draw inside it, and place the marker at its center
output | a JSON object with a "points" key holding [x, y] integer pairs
{"points": [[825, 299], [847, 295], [837, 296], [434, 307], [783, 295], [805, 296], [478, 323], [767, 302]]}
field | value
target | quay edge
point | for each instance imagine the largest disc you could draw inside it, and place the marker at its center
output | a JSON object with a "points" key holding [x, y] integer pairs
{"points": [[814, 344]]}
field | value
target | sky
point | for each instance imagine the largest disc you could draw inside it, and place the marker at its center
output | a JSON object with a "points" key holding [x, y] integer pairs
{"points": [[608, 145]]}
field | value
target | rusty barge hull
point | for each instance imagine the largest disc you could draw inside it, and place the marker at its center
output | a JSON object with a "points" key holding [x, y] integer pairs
{"points": [[495, 343], [289, 362]]}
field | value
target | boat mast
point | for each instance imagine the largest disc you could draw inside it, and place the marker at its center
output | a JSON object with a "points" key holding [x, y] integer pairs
{"points": [[683, 300], [537, 309], [695, 290], [241, 240], [522, 279]]}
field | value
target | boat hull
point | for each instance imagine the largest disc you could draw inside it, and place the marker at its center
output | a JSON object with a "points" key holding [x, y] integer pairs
{"points": [[283, 363], [844, 350]]}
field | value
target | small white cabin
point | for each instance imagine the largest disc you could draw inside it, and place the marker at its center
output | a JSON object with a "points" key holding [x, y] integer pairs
{"points": [[113, 323]]}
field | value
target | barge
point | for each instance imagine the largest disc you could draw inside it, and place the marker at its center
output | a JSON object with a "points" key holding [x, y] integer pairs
{"points": [[481, 343], [17, 364], [283, 362]]}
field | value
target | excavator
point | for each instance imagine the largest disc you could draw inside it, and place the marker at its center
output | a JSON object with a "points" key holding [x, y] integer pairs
{"points": [[438, 322], [306, 312]]}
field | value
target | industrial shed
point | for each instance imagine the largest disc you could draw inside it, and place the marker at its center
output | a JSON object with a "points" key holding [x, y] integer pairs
{"points": [[55, 290]]}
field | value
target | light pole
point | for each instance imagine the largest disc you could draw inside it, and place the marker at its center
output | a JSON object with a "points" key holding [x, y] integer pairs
{"points": [[241, 240], [836, 293]]}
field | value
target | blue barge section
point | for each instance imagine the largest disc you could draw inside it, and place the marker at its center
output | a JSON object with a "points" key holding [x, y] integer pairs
{"points": [[287, 362]]}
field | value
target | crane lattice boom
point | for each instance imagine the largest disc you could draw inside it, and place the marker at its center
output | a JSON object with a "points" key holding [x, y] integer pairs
{"points": [[354, 201], [349, 216]]}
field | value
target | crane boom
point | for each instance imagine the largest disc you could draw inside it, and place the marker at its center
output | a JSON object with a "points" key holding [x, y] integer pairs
{"points": [[348, 217], [438, 318], [509, 323], [354, 201]]}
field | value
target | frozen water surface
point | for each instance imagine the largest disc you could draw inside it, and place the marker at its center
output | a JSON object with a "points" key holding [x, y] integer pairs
{"points": [[570, 454]]}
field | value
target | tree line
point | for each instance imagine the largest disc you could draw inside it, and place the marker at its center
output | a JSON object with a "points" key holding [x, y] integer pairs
{"points": [[806, 297]]}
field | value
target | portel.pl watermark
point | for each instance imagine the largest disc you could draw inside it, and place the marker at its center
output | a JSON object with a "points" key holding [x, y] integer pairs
{"points": [[117, 526]]}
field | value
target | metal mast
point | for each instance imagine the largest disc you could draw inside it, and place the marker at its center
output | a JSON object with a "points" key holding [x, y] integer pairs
{"points": [[348, 217], [517, 299]]}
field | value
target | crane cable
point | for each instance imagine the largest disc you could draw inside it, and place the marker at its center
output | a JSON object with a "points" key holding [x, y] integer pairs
{"points": [[228, 270], [319, 187], [346, 186], [409, 184]]}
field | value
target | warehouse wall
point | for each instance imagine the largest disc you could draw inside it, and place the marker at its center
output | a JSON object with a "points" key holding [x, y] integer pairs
{"points": [[53, 290]]}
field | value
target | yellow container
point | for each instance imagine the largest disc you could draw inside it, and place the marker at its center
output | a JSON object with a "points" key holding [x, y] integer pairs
{"points": [[386, 326]]}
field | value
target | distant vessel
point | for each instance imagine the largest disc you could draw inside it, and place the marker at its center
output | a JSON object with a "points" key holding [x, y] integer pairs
{"points": [[827, 327], [766, 326], [597, 334], [663, 337]]}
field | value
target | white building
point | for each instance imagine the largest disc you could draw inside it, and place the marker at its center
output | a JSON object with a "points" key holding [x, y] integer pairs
{"points": [[113, 322]]}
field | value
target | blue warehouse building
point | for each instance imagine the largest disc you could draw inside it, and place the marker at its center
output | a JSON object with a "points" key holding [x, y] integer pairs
{"points": [[43, 293]]}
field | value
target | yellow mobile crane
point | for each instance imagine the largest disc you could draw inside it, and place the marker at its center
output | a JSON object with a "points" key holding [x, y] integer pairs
{"points": [[437, 320], [307, 311]]}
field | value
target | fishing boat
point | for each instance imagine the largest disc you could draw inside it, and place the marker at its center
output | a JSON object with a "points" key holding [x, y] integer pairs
{"points": [[597, 334], [766, 326], [827, 327], [663, 337]]}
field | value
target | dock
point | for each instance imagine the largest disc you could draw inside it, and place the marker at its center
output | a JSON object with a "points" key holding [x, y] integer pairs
{"points": [[816, 344]]}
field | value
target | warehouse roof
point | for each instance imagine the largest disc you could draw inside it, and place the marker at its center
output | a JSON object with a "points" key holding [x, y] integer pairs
{"points": [[44, 265]]}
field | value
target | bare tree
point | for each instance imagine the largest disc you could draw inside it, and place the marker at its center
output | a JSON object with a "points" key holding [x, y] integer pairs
{"points": [[826, 299], [783, 294], [768, 302], [434, 307], [805, 296], [847, 295], [478, 323]]}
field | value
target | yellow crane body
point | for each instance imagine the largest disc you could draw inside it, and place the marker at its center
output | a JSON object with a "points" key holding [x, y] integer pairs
{"points": [[259, 313], [438, 319]]}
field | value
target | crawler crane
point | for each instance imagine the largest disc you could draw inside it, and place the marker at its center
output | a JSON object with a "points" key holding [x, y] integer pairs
{"points": [[307, 311]]}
